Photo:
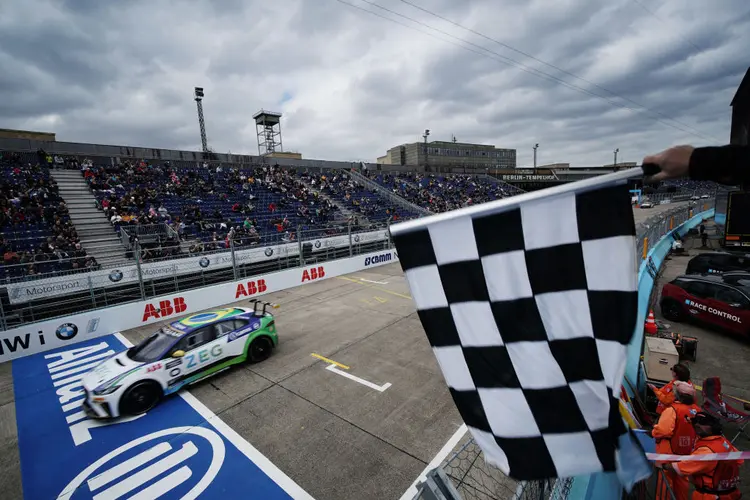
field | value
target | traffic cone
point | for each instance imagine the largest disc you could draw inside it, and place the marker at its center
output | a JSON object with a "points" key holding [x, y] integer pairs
{"points": [[651, 328]]}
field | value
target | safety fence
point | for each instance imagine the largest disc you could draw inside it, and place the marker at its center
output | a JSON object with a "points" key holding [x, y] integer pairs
{"points": [[650, 231], [35, 298]]}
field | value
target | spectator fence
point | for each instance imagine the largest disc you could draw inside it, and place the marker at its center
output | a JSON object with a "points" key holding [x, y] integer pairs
{"points": [[45, 296]]}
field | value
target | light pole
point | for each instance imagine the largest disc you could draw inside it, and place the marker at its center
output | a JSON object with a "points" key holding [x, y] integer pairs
{"points": [[199, 101], [536, 146], [426, 158], [616, 151]]}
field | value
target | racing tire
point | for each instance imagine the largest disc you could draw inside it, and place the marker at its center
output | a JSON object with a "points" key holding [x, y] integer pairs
{"points": [[140, 398], [672, 311], [259, 350]]}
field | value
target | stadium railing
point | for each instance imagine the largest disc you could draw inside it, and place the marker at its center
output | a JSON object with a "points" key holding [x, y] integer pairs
{"points": [[141, 279], [465, 475]]}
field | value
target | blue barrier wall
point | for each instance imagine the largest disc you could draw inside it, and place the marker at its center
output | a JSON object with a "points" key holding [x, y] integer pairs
{"points": [[607, 486]]}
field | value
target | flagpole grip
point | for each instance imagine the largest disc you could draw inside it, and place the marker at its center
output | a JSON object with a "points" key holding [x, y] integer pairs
{"points": [[650, 169]]}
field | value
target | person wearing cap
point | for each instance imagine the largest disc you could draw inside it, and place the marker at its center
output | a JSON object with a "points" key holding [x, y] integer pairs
{"points": [[675, 435], [665, 395], [713, 479]]}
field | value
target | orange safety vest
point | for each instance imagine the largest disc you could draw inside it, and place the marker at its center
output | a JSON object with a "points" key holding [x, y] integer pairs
{"points": [[683, 438], [668, 388], [725, 477]]}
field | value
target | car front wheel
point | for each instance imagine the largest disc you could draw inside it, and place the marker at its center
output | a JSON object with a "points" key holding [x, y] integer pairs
{"points": [[671, 310], [259, 350], [140, 398]]}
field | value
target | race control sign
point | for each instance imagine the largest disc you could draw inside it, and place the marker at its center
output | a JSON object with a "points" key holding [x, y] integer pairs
{"points": [[177, 450], [712, 310]]}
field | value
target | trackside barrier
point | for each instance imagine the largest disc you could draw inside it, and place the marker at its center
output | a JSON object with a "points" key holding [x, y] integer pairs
{"points": [[56, 333], [607, 486]]}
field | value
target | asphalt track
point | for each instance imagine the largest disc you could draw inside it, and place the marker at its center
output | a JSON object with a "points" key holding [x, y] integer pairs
{"points": [[321, 408]]}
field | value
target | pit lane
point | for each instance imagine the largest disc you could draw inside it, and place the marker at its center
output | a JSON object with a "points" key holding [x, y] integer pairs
{"points": [[335, 437]]}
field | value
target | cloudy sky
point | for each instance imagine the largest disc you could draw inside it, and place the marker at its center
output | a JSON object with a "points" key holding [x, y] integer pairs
{"points": [[352, 84]]}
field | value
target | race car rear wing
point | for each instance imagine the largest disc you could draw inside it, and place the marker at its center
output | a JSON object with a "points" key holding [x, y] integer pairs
{"points": [[265, 305]]}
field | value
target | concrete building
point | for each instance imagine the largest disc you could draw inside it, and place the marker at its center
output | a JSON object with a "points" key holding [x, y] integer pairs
{"points": [[448, 155]]}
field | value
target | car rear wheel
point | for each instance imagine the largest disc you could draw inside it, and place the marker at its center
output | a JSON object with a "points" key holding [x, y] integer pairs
{"points": [[259, 350], [671, 310], [140, 398]]}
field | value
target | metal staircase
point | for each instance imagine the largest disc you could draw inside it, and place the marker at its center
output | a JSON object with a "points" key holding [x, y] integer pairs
{"points": [[97, 235]]}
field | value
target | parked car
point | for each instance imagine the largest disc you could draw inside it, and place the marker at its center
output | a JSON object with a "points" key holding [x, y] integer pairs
{"points": [[718, 263], [721, 301]]}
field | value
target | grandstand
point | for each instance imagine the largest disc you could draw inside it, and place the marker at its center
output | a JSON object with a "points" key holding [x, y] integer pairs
{"points": [[75, 213], [75, 224]]}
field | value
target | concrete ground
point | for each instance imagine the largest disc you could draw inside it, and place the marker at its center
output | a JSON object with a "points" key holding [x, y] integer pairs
{"points": [[720, 354], [335, 437]]}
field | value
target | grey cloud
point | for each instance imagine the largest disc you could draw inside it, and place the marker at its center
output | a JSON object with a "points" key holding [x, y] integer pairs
{"points": [[360, 84]]}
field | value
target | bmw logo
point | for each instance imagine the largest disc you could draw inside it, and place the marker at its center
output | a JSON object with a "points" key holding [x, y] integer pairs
{"points": [[256, 325], [115, 276], [66, 331], [356, 238], [204, 262], [269, 252], [317, 244]]}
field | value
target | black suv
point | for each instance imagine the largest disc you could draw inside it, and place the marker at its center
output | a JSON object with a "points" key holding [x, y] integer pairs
{"points": [[718, 263]]}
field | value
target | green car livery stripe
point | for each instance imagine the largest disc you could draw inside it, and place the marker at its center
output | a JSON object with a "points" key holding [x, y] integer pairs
{"points": [[215, 367]]}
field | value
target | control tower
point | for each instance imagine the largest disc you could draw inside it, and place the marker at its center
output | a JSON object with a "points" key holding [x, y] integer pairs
{"points": [[268, 128]]}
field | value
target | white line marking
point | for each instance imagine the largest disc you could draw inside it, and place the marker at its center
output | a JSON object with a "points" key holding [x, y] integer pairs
{"points": [[444, 452], [379, 388], [261, 461], [376, 282]]}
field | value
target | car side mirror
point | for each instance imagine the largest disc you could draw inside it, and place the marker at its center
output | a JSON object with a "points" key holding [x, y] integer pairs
{"points": [[178, 354]]}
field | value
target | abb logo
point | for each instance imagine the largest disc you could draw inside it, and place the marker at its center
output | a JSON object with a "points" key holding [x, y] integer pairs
{"points": [[313, 274], [153, 368], [166, 308], [251, 288]]}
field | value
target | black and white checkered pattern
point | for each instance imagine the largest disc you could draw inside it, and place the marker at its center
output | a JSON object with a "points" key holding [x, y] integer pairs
{"points": [[529, 313]]}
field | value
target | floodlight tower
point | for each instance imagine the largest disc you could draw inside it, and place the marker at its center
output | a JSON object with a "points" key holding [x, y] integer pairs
{"points": [[201, 122], [268, 128]]}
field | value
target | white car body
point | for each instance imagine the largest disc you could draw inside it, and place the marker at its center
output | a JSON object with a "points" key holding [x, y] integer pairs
{"points": [[647, 204], [106, 384]]}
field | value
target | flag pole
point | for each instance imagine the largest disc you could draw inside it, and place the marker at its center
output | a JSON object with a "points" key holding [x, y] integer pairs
{"points": [[510, 203]]}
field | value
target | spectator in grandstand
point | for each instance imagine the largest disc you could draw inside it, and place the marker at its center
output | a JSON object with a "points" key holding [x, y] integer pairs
{"points": [[724, 164], [31, 209]]}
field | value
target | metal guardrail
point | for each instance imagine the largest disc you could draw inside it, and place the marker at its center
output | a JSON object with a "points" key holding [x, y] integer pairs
{"points": [[465, 475], [107, 289]]}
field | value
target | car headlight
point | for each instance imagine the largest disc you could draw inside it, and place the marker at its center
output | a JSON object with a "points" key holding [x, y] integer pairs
{"points": [[103, 391]]}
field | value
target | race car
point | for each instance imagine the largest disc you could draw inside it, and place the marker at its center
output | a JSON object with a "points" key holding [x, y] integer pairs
{"points": [[647, 204], [181, 353]]}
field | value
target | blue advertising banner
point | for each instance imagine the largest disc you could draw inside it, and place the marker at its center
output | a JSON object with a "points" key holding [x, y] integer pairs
{"points": [[171, 452]]}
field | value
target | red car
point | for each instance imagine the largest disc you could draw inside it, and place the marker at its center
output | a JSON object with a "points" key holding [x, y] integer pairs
{"points": [[723, 301]]}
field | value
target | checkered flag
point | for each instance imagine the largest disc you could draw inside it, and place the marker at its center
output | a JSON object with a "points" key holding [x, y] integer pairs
{"points": [[529, 304]]}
